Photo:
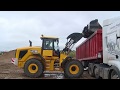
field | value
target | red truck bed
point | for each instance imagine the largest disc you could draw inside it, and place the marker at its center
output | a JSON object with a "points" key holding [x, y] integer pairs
{"points": [[89, 49]]}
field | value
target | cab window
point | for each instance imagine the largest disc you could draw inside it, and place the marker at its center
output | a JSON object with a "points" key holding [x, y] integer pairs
{"points": [[48, 44]]}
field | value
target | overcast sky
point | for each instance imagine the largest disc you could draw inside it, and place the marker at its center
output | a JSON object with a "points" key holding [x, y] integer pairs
{"points": [[18, 27]]}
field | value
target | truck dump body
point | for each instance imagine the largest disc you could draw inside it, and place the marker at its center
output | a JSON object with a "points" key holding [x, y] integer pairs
{"points": [[91, 47]]}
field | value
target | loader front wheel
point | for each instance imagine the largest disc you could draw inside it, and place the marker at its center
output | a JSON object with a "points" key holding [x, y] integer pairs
{"points": [[33, 68], [73, 69]]}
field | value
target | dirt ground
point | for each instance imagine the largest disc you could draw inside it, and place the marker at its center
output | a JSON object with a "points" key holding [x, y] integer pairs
{"points": [[10, 71]]}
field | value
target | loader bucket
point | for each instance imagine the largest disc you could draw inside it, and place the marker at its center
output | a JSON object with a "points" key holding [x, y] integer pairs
{"points": [[71, 40], [91, 28], [75, 37]]}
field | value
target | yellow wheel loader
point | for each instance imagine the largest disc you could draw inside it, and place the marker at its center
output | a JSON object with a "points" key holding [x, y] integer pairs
{"points": [[36, 60]]}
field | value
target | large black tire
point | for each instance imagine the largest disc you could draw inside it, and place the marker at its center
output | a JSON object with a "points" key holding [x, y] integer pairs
{"points": [[96, 73], [65, 61], [90, 71], [73, 69], [114, 75], [33, 68]]}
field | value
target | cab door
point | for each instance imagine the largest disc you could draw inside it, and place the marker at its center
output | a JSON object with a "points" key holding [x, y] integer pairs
{"points": [[47, 47]]}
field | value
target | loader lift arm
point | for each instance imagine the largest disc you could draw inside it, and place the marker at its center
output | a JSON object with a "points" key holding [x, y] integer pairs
{"points": [[71, 40], [87, 32]]}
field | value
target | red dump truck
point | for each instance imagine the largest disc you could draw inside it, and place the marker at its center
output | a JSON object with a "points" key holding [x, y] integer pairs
{"points": [[100, 52]]}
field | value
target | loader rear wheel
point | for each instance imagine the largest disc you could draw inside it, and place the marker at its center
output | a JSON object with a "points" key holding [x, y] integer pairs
{"points": [[33, 68], [73, 69]]}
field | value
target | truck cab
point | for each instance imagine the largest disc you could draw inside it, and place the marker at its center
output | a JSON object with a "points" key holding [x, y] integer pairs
{"points": [[111, 46]]}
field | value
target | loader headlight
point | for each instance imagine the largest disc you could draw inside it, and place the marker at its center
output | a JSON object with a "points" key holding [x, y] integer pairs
{"points": [[34, 51]]}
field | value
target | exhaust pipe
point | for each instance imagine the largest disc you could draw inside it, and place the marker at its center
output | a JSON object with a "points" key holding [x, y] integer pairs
{"points": [[30, 43]]}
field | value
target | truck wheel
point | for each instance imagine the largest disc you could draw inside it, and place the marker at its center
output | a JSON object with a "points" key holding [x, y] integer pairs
{"points": [[96, 72], [114, 75], [90, 72], [33, 68], [73, 69]]}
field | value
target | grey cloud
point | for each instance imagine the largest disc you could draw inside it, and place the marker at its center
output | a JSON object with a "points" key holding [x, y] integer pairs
{"points": [[19, 27]]}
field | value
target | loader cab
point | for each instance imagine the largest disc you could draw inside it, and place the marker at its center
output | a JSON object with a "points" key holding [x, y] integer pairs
{"points": [[50, 46]]}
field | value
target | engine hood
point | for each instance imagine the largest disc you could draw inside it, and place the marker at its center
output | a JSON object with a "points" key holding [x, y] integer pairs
{"points": [[33, 47]]}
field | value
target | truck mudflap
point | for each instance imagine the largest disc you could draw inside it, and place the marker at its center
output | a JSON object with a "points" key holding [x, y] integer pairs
{"points": [[14, 61]]}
